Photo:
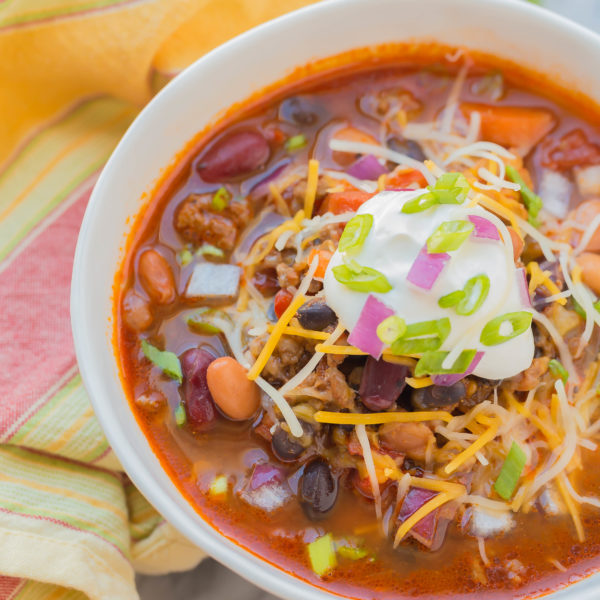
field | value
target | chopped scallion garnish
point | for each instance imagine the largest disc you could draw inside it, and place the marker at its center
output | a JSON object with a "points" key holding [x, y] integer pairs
{"points": [[450, 235], [431, 363], [180, 416], [476, 291], [352, 552], [517, 322], [355, 233], [391, 329], [556, 368], [361, 279], [451, 188], [167, 361], [451, 299], [202, 320], [531, 200], [184, 257], [220, 199], [510, 472], [422, 337], [322, 556], [295, 142], [419, 204]]}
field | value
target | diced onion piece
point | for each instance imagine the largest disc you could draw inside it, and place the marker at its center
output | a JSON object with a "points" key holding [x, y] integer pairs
{"points": [[523, 287], [555, 190], [367, 167], [364, 335], [511, 470], [361, 434], [452, 378], [322, 556], [427, 268], [484, 229], [213, 282]]}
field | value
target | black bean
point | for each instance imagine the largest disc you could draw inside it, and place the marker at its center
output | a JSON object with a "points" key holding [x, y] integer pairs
{"points": [[381, 384], [316, 316], [318, 489], [285, 447], [299, 110], [408, 147], [438, 397], [199, 405], [234, 155]]}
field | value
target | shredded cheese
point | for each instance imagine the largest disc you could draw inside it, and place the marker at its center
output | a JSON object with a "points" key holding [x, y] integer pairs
{"points": [[286, 410], [299, 332], [311, 187], [280, 203], [419, 382], [587, 236], [361, 434], [265, 244], [573, 510], [539, 277], [338, 418], [484, 438]]}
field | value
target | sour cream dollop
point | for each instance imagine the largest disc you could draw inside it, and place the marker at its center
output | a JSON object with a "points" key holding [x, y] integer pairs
{"points": [[391, 247]]}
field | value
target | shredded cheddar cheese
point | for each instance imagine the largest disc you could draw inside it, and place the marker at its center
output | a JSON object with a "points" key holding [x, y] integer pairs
{"points": [[475, 447], [336, 418], [311, 187], [539, 277], [280, 203], [419, 382], [299, 332], [571, 507]]}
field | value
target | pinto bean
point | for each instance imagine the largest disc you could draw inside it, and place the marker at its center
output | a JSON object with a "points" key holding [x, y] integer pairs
{"points": [[517, 243], [232, 391], [590, 270], [351, 134], [408, 438], [156, 277], [136, 311], [234, 155], [199, 405]]}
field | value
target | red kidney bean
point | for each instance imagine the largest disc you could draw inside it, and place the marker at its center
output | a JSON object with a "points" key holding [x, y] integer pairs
{"points": [[318, 489], [236, 154], [381, 384], [137, 313], [199, 406]]}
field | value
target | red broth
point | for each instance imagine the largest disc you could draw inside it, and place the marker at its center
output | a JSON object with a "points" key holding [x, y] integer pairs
{"points": [[522, 562]]}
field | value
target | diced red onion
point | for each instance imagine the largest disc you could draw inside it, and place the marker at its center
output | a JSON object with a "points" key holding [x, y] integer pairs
{"points": [[264, 474], [484, 229], [427, 268], [413, 501], [451, 378], [381, 384], [395, 189], [523, 287], [364, 335], [259, 184], [367, 167]]}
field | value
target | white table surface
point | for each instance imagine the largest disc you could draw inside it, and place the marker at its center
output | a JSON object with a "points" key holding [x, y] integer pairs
{"points": [[212, 581]]}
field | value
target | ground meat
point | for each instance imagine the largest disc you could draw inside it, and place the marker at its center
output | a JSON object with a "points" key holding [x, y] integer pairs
{"points": [[529, 378], [477, 390], [287, 276], [295, 194], [197, 222]]}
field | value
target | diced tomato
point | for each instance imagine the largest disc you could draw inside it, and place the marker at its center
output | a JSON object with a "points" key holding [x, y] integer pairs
{"points": [[404, 179], [281, 302], [341, 202], [572, 150], [324, 258], [519, 127]]}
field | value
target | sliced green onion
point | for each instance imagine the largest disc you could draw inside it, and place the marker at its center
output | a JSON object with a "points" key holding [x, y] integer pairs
{"points": [[352, 553], [449, 236], [355, 233], [556, 368], [220, 199], [295, 142], [202, 320], [431, 363], [184, 257], [476, 291], [422, 337], [578, 308], [451, 299], [219, 486], [180, 416], [518, 321], [322, 556], [510, 472], [167, 361], [210, 250], [391, 329], [531, 200], [450, 188], [596, 305], [361, 279], [419, 204]]}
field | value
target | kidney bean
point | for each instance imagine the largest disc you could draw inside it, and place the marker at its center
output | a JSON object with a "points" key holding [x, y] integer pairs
{"points": [[317, 490], [232, 391], [437, 397], [590, 270], [381, 384], [316, 316], [199, 405], [156, 277], [136, 311], [234, 155]]}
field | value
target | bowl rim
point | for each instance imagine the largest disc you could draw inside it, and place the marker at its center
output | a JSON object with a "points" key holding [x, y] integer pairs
{"points": [[243, 561]]}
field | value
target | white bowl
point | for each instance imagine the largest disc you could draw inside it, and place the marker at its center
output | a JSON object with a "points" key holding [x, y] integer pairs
{"points": [[513, 30]]}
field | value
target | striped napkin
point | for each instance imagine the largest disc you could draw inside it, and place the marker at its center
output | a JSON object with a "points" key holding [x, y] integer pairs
{"points": [[73, 75]]}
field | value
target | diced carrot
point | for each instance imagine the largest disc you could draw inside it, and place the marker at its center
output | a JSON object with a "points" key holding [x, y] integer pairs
{"points": [[324, 258], [518, 127], [405, 178], [341, 202]]}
